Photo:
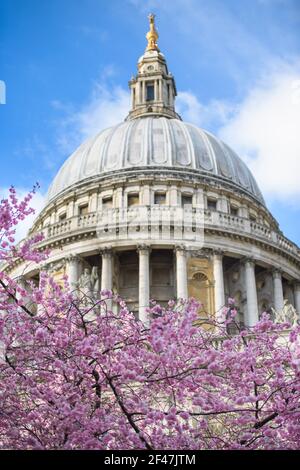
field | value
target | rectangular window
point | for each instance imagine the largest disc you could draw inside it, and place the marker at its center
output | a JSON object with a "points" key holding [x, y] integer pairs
{"points": [[186, 200], [133, 200], [211, 204], [83, 210], [150, 93], [62, 216], [160, 199]]}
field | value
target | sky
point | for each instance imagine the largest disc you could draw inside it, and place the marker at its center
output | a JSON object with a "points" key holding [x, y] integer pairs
{"points": [[66, 66]]}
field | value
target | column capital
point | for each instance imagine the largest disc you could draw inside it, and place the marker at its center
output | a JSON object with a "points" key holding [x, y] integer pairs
{"points": [[277, 273], [180, 248], [106, 251], [72, 258], [143, 247], [249, 260], [217, 253]]}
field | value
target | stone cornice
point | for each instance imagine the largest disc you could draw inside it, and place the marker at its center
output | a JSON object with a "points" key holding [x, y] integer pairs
{"points": [[90, 232]]}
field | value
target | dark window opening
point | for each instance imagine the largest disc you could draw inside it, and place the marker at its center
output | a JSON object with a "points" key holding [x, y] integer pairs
{"points": [[83, 210], [107, 202], [160, 198], [186, 200], [234, 211], [211, 204], [150, 93], [133, 200]]}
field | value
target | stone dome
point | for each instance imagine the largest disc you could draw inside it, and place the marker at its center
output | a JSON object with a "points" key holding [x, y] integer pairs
{"points": [[155, 143]]}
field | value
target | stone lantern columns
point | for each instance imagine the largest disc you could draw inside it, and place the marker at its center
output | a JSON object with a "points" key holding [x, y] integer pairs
{"points": [[252, 307], [181, 272], [278, 290], [144, 282]]}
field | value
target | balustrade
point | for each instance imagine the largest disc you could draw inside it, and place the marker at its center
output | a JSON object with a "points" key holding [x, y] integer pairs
{"points": [[165, 222]]}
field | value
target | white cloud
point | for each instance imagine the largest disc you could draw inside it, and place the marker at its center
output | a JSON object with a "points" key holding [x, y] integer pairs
{"points": [[210, 115], [37, 203], [264, 130], [108, 105]]}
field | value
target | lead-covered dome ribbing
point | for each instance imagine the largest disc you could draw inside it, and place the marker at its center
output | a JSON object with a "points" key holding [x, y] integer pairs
{"points": [[154, 142]]}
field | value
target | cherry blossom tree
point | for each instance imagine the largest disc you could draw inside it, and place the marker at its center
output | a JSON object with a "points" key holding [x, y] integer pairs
{"points": [[76, 374]]}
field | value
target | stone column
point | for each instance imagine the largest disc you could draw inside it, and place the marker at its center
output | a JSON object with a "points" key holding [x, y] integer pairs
{"points": [[73, 270], [106, 275], [170, 88], [173, 196], [200, 203], [70, 210], [252, 308], [93, 202], [160, 90], [143, 91], [181, 272], [278, 291], [146, 195], [144, 282], [243, 211], [119, 200], [297, 296], [219, 284], [155, 90], [222, 204], [133, 90]]}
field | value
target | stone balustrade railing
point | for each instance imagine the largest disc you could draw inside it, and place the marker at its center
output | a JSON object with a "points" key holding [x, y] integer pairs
{"points": [[164, 222]]}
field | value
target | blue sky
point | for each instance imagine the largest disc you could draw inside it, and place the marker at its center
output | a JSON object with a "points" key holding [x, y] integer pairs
{"points": [[66, 64]]}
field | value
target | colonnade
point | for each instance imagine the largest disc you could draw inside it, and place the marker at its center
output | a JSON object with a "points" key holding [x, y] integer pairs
{"points": [[251, 313]]}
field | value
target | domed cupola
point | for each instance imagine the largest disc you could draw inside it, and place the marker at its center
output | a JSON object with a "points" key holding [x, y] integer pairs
{"points": [[154, 139], [153, 89]]}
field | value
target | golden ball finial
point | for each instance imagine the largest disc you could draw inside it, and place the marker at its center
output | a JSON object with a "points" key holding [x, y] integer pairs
{"points": [[152, 35]]}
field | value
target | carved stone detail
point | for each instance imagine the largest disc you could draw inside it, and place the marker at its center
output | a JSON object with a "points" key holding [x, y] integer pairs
{"points": [[288, 314]]}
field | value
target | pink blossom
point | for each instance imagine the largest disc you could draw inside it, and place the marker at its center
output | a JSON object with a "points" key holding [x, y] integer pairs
{"points": [[75, 378]]}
